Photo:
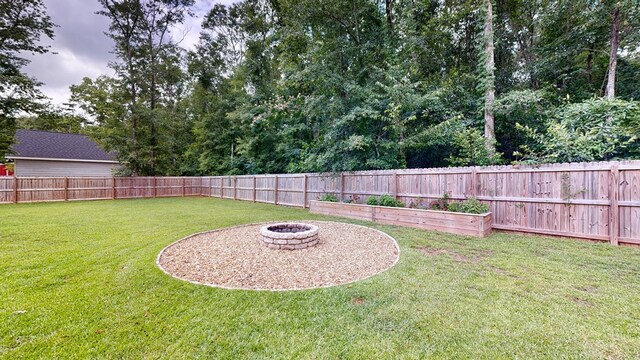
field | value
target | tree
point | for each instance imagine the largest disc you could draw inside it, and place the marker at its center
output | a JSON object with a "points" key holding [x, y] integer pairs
{"points": [[489, 77], [140, 30], [54, 118], [22, 24], [302, 85], [610, 91]]}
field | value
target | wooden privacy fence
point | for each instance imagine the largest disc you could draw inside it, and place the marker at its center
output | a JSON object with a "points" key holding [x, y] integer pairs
{"points": [[599, 201], [41, 189]]}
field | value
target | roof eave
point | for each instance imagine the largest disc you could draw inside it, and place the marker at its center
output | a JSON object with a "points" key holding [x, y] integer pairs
{"points": [[56, 159]]}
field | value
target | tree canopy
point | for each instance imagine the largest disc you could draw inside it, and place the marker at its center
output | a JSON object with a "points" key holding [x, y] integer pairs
{"points": [[301, 85]]}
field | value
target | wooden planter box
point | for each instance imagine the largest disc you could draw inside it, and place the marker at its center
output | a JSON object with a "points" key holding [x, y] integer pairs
{"points": [[478, 225]]}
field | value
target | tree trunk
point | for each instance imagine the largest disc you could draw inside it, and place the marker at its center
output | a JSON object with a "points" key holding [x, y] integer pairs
{"points": [[135, 166], [489, 95], [389, 11], [610, 92]]}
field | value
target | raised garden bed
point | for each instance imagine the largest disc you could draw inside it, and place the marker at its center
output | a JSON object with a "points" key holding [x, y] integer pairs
{"points": [[478, 225]]}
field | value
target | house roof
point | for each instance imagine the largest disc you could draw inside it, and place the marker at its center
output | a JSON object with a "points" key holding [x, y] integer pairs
{"points": [[36, 144]]}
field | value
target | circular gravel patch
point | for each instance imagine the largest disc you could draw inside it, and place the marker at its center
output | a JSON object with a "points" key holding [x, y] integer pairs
{"points": [[233, 258]]}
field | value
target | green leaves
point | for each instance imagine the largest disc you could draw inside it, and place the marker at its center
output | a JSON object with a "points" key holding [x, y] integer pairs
{"points": [[593, 130], [22, 25]]}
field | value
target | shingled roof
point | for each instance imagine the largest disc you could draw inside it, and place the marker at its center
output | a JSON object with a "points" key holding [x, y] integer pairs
{"points": [[55, 145]]}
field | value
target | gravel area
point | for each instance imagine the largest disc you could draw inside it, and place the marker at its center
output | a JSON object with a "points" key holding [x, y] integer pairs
{"points": [[233, 258]]}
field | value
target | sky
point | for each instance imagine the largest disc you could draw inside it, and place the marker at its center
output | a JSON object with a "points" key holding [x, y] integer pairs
{"points": [[81, 49]]}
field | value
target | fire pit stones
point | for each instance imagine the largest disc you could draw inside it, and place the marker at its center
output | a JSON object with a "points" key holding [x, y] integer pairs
{"points": [[289, 236]]}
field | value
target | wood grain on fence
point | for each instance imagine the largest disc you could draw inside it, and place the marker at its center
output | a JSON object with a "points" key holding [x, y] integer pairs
{"points": [[599, 201]]}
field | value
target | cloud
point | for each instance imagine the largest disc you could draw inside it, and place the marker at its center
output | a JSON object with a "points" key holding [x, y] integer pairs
{"points": [[81, 48]]}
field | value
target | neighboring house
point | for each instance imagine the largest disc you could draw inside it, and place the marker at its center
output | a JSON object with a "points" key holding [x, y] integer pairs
{"points": [[44, 153]]}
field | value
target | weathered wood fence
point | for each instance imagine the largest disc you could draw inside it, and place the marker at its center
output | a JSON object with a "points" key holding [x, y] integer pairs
{"points": [[599, 201]]}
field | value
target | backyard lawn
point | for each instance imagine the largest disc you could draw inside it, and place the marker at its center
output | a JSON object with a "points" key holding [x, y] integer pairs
{"points": [[79, 280]]}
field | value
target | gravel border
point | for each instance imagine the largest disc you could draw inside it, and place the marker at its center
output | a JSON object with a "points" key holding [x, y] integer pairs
{"points": [[346, 253]]}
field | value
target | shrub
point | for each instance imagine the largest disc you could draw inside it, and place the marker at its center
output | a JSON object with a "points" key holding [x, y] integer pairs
{"points": [[329, 198], [385, 200], [469, 206], [473, 206], [388, 200], [454, 207]]}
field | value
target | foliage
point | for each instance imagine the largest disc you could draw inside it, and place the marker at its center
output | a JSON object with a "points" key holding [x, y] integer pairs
{"points": [[469, 206], [384, 200], [329, 198], [150, 84], [465, 144], [302, 86], [54, 118], [593, 130], [22, 25]]}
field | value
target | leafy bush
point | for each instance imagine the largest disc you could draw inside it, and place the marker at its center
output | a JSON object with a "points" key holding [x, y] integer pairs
{"points": [[593, 130], [329, 198], [373, 200], [385, 200], [470, 206], [457, 141], [454, 207], [388, 200]]}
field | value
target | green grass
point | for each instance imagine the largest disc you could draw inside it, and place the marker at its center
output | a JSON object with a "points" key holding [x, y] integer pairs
{"points": [[79, 280]]}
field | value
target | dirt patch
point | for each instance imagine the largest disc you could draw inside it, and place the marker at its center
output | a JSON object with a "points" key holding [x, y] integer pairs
{"points": [[233, 258], [358, 301], [588, 289], [582, 302], [432, 252]]}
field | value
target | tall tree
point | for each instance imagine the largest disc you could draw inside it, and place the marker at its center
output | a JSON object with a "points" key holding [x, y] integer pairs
{"points": [[610, 91], [22, 25], [141, 32], [489, 77]]}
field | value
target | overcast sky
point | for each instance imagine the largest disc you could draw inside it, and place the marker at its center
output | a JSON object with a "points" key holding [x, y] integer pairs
{"points": [[80, 47]]}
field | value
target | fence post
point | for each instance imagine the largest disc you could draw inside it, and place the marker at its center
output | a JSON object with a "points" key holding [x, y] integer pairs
{"points": [[254, 189], [155, 187], [235, 187], [183, 181], [113, 187], [275, 192], [15, 189], [66, 188], [304, 191], [614, 210], [341, 187]]}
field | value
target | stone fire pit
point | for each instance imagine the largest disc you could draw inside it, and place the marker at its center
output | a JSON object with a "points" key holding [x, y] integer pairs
{"points": [[289, 236]]}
